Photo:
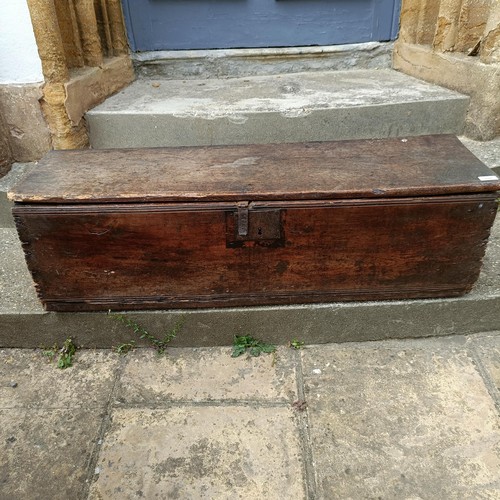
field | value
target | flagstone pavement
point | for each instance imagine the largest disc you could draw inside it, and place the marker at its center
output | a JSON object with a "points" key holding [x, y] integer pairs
{"points": [[405, 419]]}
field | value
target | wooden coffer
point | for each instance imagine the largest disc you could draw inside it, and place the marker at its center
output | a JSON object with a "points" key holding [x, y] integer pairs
{"points": [[252, 225]]}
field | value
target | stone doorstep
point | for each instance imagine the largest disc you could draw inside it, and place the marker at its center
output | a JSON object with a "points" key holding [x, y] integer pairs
{"points": [[293, 107], [232, 63], [314, 324]]}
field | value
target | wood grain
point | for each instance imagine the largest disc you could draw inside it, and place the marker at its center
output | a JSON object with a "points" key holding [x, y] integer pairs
{"points": [[139, 256], [382, 168]]}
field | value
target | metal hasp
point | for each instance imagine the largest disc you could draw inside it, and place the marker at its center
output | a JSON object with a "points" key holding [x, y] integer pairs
{"points": [[243, 218], [260, 226]]}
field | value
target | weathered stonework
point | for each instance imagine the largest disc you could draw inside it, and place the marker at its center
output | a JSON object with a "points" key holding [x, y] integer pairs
{"points": [[5, 152], [490, 45], [456, 44], [463, 74], [64, 134], [446, 26], [82, 46], [472, 22], [87, 26], [27, 130], [48, 39], [91, 86], [65, 104]]}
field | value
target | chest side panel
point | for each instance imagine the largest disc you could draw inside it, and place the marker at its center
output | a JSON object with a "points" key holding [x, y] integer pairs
{"points": [[160, 255]]}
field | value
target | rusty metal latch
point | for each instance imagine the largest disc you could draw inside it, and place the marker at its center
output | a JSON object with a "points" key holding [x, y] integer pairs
{"points": [[250, 226], [243, 218]]}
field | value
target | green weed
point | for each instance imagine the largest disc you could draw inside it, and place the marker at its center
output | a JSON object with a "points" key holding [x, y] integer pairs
{"points": [[65, 353], [125, 347], [296, 344], [160, 344], [246, 343]]}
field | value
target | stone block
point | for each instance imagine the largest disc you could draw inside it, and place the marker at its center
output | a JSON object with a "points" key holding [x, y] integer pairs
{"points": [[5, 152], [401, 421], [29, 135], [39, 384], [45, 453], [200, 452], [193, 376], [463, 74]]}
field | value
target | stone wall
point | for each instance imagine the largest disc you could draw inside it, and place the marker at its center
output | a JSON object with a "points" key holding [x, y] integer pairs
{"points": [[84, 54], [27, 130], [456, 44], [25, 135], [5, 152]]}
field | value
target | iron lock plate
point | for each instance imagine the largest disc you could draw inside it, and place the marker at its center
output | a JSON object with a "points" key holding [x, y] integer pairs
{"points": [[247, 226]]}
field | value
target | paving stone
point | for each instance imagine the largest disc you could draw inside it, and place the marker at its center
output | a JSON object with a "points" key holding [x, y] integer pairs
{"points": [[401, 420], [488, 348], [40, 384], [206, 374], [45, 454], [200, 452]]}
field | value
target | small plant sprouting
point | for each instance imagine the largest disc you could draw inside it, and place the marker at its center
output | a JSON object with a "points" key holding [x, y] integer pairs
{"points": [[297, 344], [125, 347], [50, 352], [66, 353], [160, 344], [246, 343]]}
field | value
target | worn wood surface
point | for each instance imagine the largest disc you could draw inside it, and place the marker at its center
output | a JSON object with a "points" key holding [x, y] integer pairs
{"points": [[417, 166], [138, 256]]}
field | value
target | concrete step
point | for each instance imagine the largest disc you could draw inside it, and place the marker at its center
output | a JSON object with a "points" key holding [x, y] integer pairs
{"points": [[294, 107]]}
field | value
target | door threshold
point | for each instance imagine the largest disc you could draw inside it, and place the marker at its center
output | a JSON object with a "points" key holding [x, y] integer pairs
{"points": [[233, 63]]}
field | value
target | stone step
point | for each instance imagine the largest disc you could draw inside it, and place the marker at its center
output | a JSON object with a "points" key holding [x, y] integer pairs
{"points": [[233, 63], [24, 323], [293, 107]]}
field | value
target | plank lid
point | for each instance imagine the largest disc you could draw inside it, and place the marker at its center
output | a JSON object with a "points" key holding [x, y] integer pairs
{"points": [[379, 168]]}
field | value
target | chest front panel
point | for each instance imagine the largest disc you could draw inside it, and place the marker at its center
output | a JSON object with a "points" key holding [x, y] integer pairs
{"points": [[157, 255]]}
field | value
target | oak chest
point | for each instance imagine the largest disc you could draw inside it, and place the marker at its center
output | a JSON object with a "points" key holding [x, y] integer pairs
{"points": [[252, 225]]}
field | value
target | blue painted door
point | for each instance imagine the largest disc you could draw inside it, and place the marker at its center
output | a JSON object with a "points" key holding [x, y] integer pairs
{"points": [[211, 24]]}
